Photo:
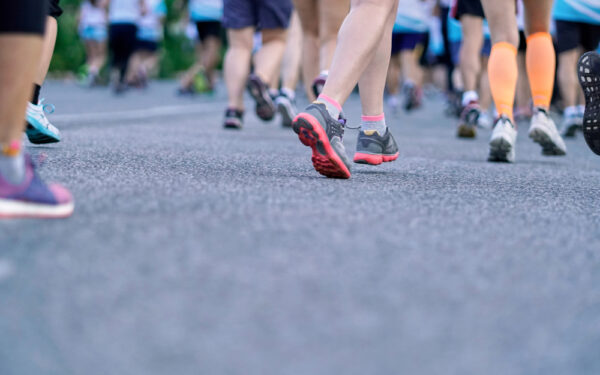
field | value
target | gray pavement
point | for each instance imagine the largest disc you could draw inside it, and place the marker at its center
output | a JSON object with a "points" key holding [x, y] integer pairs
{"points": [[195, 250]]}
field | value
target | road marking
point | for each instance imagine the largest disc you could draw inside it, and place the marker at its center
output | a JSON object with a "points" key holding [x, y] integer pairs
{"points": [[6, 269], [136, 114]]}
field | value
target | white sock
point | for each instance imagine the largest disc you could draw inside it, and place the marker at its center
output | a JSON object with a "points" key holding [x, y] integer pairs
{"points": [[288, 92], [571, 111], [469, 96], [581, 109]]}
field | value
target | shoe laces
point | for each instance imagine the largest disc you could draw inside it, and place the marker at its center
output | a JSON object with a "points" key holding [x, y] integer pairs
{"points": [[47, 108]]}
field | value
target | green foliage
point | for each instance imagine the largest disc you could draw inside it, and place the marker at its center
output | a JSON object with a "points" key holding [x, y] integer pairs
{"points": [[177, 52]]}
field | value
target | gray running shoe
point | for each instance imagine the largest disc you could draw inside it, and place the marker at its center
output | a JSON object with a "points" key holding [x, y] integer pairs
{"points": [[374, 149], [321, 132]]}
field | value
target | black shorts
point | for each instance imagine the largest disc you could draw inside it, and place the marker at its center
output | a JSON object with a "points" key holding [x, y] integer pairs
{"points": [[54, 10], [23, 16], [207, 29], [571, 35], [262, 14], [467, 7], [146, 45]]}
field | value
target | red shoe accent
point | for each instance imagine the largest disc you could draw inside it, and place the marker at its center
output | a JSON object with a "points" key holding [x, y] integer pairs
{"points": [[374, 159], [310, 133], [368, 158]]}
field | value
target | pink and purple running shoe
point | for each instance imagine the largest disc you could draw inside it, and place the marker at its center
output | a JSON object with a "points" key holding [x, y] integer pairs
{"points": [[33, 198]]}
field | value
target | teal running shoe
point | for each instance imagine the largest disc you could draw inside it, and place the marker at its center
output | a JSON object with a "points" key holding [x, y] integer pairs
{"points": [[39, 130]]}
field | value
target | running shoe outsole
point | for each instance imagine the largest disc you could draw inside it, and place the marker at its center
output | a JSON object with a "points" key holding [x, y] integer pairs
{"points": [[38, 137], [324, 158], [265, 108], [374, 159], [549, 148], [11, 209], [590, 83], [500, 151]]}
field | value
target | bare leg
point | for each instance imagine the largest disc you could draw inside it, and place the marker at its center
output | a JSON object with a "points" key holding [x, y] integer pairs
{"points": [[359, 40], [567, 77], [523, 96], [485, 95], [292, 55], [17, 70], [470, 63], [307, 9], [267, 61], [393, 76], [411, 71], [237, 64], [372, 81], [332, 15], [47, 50], [210, 57]]}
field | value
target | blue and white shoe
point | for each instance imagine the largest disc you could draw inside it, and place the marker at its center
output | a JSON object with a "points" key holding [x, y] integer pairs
{"points": [[39, 130]]}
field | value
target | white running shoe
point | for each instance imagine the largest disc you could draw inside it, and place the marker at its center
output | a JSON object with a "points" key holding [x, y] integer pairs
{"points": [[503, 141], [544, 132], [39, 129]]}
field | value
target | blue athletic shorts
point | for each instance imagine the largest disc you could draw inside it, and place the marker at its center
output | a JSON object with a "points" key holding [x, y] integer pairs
{"points": [[262, 14], [96, 33], [406, 41]]}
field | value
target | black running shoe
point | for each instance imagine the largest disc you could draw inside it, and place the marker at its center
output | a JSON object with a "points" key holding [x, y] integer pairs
{"points": [[265, 108], [469, 118], [588, 69], [374, 149], [319, 131], [412, 98], [234, 119]]}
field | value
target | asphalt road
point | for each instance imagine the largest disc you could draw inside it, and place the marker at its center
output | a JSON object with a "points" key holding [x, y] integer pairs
{"points": [[195, 250]]}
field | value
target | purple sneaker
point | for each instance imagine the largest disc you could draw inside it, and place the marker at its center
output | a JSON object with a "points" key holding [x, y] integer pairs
{"points": [[33, 198]]}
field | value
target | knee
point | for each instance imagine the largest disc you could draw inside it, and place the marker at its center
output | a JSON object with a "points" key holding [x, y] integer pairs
{"points": [[506, 36], [241, 39]]}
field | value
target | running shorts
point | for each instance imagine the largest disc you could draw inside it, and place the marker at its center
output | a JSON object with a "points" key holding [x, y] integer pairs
{"points": [[407, 41], [262, 14], [467, 7], [23, 16], [54, 9], [96, 33], [208, 29], [146, 45], [571, 35]]}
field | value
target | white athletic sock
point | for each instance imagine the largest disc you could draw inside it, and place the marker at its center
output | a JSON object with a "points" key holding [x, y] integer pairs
{"points": [[581, 109], [571, 111], [291, 94], [469, 96]]}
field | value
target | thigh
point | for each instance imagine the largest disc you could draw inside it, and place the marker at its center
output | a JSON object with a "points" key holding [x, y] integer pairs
{"points": [[274, 14], [309, 16], [502, 20], [332, 14], [239, 14], [568, 36], [538, 15]]}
